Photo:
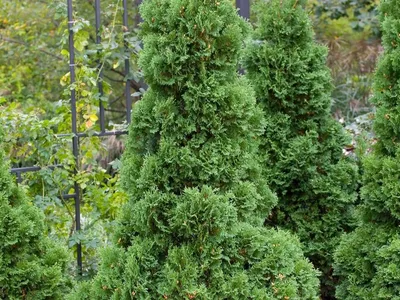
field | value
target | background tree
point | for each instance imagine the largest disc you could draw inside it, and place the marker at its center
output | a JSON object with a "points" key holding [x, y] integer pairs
{"points": [[302, 145], [193, 225], [32, 266], [367, 259]]}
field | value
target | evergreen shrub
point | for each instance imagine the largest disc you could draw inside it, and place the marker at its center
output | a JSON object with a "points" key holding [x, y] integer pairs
{"points": [[368, 259], [302, 145], [32, 266], [193, 226]]}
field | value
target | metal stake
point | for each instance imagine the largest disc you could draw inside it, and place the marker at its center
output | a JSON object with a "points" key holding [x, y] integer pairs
{"points": [[128, 81], [75, 138], [244, 8], [100, 80]]}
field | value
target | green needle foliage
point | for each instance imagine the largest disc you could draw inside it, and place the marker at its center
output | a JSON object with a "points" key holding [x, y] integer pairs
{"points": [[31, 265], [193, 227], [302, 145], [368, 259]]}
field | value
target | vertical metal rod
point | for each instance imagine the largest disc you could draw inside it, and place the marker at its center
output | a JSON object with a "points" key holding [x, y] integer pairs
{"points": [[75, 141], [138, 20], [244, 12], [244, 8], [100, 80], [19, 178], [128, 81], [138, 17]]}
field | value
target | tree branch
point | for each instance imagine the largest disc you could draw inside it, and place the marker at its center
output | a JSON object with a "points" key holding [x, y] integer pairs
{"points": [[134, 84], [10, 40]]}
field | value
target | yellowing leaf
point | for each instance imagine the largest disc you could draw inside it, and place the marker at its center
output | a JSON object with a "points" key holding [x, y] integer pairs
{"points": [[93, 117], [64, 79], [64, 52], [116, 65]]}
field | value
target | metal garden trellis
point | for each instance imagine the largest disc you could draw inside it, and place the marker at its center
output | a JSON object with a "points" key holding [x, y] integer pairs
{"points": [[244, 11]]}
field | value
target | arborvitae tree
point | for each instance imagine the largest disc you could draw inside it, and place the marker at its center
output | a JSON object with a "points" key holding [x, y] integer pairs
{"points": [[32, 266], [368, 260], [193, 227], [302, 145]]}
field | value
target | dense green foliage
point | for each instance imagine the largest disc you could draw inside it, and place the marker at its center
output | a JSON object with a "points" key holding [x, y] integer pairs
{"points": [[302, 145], [32, 266], [35, 111], [362, 13], [349, 28], [193, 226], [34, 55], [30, 65], [368, 259]]}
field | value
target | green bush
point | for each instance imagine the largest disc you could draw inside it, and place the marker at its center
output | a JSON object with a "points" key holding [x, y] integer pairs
{"points": [[367, 260], [193, 226], [302, 145], [32, 266]]}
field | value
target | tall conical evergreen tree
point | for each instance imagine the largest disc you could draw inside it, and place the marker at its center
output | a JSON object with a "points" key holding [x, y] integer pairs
{"points": [[31, 265], [368, 260], [193, 227], [302, 145]]}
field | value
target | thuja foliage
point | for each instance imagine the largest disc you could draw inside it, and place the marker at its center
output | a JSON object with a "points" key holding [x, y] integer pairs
{"points": [[302, 145], [368, 259], [193, 226], [32, 266]]}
